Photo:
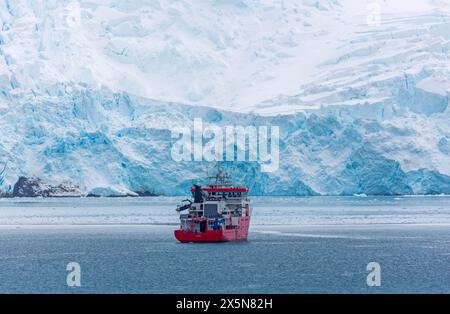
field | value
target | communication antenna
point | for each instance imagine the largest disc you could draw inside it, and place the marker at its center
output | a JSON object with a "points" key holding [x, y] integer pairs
{"points": [[219, 170]]}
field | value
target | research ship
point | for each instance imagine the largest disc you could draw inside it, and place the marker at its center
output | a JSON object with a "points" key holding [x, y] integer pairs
{"points": [[219, 212]]}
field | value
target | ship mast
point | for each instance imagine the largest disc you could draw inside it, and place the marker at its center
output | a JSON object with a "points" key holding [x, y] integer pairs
{"points": [[221, 178], [219, 172]]}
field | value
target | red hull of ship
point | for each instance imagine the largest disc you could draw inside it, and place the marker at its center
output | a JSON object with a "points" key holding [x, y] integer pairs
{"points": [[238, 234]]}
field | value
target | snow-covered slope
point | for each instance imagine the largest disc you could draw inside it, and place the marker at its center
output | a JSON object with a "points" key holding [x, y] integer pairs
{"points": [[263, 56], [90, 89]]}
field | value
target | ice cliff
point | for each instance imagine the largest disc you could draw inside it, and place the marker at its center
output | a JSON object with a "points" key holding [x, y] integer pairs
{"points": [[114, 144]]}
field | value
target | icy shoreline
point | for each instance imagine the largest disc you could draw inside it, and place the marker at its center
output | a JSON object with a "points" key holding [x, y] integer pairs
{"points": [[267, 211]]}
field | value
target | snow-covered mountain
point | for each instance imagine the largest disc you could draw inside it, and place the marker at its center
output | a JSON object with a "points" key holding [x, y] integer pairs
{"points": [[262, 56], [90, 89]]}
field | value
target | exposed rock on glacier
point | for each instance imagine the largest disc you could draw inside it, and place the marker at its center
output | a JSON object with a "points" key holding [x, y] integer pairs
{"points": [[33, 187]]}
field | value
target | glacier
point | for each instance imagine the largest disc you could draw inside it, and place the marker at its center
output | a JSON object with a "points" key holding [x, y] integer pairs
{"points": [[89, 91], [118, 144]]}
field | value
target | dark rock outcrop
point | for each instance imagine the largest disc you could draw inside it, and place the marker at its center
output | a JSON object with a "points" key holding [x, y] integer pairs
{"points": [[34, 187]]}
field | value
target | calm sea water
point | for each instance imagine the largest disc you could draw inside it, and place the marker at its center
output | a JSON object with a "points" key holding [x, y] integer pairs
{"points": [[296, 245]]}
